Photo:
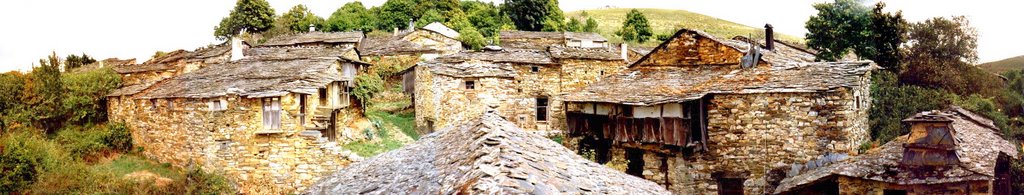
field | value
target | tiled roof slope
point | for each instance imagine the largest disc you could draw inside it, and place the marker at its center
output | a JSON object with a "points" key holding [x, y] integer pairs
{"points": [[488, 155]]}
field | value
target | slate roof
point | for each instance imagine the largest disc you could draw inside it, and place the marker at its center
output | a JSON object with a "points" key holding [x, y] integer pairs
{"points": [[162, 63], [390, 45], [250, 78], [488, 155], [649, 85], [656, 85], [469, 69], [504, 56], [441, 29], [289, 53], [131, 89], [978, 145], [315, 37], [530, 35], [584, 36], [561, 52]]}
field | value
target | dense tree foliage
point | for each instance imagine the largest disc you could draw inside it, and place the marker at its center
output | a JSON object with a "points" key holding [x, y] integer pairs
{"points": [[251, 15], [941, 52], [591, 25], [892, 102], [534, 15], [351, 16], [574, 25], [75, 61], [46, 95], [429, 17], [471, 38], [85, 96], [839, 27], [486, 18], [395, 14], [299, 19], [888, 33], [635, 27]]}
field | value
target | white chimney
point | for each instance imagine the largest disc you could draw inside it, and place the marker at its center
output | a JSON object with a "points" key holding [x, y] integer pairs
{"points": [[236, 49], [312, 28], [396, 32], [625, 54]]}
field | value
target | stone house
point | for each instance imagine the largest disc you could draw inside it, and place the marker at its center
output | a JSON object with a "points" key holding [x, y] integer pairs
{"points": [[487, 155], [947, 152], [700, 114], [436, 36], [543, 40], [398, 54], [525, 86], [268, 117]]}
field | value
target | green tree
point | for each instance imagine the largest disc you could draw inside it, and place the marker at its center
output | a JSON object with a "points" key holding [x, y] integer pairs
{"points": [[888, 33], [591, 25], [74, 61], [85, 96], [471, 38], [574, 25], [299, 19], [46, 94], [531, 15], [485, 17], [893, 102], [635, 27], [839, 27], [940, 54], [351, 16], [395, 14], [429, 17], [251, 15]]}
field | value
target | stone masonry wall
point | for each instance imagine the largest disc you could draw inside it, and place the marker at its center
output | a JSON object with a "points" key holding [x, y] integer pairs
{"points": [[690, 48], [232, 141], [858, 186]]}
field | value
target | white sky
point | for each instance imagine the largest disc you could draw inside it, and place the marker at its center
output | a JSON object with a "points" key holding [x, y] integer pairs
{"points": [[31, 29]]}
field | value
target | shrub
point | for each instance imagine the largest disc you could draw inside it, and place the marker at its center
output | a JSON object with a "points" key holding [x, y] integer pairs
{"points": [[892, 102], [198, 181], [118, 137], [85, 97], [367, 85], [472, 39], [82, 141], [23, 156]]}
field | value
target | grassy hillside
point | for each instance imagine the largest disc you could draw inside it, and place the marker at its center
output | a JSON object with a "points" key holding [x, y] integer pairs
{"points": [[665, 21], [1001, 66]]}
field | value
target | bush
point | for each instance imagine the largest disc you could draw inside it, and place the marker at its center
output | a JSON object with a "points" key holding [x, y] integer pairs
{"points": [[892, 102], [82, 141], [23, 156], [118, 137], [198, 181], [367, 85], [85, 95], [472, 39]]}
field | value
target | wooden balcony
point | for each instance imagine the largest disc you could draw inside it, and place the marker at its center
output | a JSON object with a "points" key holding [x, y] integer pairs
{"points": [[673, 131]]}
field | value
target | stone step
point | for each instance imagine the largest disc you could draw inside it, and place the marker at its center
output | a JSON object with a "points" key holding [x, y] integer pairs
{"points": [[311, 134], [318, 129], [321, 118]]}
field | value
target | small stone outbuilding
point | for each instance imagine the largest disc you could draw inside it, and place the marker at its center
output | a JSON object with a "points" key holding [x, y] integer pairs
{"points": [[947, 152], [435, 36], [543, 40], [700, 114], [484, 155]]}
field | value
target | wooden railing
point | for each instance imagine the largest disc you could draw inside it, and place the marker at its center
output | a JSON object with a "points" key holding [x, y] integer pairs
{"points": [[665, 130]]}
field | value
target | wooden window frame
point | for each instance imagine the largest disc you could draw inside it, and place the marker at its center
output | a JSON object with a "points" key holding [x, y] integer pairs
{"points": [[272, 113]]}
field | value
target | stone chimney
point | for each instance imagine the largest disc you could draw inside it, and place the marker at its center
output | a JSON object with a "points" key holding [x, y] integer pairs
{"points": [[396, 31], [312, 28], [411, 27], [931, 140], [625, 52], [769, 37], [236, 46]]}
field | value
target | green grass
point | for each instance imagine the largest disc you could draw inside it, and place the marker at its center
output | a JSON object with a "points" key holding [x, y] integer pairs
{"points": [[130, 163], [1002, 66], [664, 21], [372, 148]]}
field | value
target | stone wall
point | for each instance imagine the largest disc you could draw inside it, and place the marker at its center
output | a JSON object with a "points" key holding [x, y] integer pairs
{"points": [[186, 132], [691, 48], [749, 134], [858, 186], [438, 97], [433, 40]]}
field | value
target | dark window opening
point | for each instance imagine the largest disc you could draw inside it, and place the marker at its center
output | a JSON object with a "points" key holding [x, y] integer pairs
{"points": [[602, 73], [635, 166], [730, 186], [894, 192], [542, 109], [534, 69], [856, 102], [470, 85], [601, 148], [302, 110], [322, 92], [152, 104]]}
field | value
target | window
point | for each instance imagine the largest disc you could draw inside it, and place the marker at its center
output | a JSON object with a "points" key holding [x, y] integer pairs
{"points": [[152, 104], [857, 102], [216, 105], [542, 109], [635, 166], [534, 69], [170, 104], [470, 84], [272, 113]]}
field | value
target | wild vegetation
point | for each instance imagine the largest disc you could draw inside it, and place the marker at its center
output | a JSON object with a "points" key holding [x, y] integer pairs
{"points": [[55, 139], [665, 22]]}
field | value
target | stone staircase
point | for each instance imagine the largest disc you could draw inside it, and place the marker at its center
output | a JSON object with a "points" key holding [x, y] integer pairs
{"points": [[320, 122]]}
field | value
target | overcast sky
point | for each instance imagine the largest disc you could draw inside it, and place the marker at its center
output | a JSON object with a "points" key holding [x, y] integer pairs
{"points": [[31, 29]]}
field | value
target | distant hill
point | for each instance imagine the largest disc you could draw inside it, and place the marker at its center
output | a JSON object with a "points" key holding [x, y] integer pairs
{"points": [[1001, 66], [665, 21]]}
